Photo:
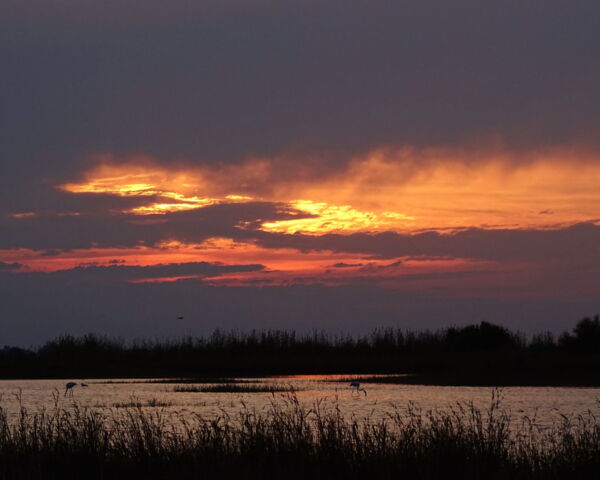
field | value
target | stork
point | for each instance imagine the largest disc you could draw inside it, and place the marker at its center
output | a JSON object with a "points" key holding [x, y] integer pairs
{"points": [[69, 387], [358, 388]]}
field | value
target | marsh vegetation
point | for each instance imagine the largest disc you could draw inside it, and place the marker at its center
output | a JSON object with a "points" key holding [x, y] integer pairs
{"points": [[290, 440], [135, 403], [481, 354], [234, 388]]}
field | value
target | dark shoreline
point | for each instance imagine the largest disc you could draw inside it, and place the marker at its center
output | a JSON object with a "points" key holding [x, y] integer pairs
{"points": [[476, 355], [405, 379]]}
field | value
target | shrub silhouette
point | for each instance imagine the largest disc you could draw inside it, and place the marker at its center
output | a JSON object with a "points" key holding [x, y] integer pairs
{"points": [[482, 353], [585, 336], [485, 336]]}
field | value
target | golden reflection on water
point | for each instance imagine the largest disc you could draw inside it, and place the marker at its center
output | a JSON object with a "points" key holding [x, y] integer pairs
{"points": [[333, 391]]}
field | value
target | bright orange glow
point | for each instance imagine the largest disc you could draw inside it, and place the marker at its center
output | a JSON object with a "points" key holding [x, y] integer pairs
{"points": [[327, 218], [141, 177], [159, 208], [402, 190], [164, 279], [22, 215], [238, 198], [441, 190]]}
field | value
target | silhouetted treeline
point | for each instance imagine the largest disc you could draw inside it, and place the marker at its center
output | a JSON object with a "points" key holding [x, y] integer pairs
{"points": [[475, 354]]}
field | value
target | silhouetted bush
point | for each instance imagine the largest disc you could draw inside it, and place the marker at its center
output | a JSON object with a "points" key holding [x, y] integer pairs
{"points": [[484, 336], [542, 342], [585, 337], [482, 353]]}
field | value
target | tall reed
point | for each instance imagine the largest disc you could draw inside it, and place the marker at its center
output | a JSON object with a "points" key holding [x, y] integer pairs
{"points": [[290, 440]]}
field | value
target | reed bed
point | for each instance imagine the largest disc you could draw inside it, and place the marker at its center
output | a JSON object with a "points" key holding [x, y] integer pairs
{"points": [[233, 388], [174, 380], [135, 403], [201, 380], [385, 379], [476, 354], [290, 440]]}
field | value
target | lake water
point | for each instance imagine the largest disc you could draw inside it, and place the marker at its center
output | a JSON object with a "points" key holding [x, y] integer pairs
{"points": [[546, 404]]}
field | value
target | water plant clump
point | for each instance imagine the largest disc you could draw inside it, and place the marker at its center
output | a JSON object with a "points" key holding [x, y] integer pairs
{"points": [[233, 388], [290, 440], [201, 380], [135, 403], [384, 379]]}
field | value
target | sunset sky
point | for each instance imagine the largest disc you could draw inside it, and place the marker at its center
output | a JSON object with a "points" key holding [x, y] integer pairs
{"points": [[297, 164]]}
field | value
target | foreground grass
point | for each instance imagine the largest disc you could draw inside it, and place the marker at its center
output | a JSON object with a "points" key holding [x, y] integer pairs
{"points": [[233, 388], [291, 441]]}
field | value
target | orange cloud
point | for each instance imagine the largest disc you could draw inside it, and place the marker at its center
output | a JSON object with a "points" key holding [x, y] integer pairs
{"points": [[446, 189], [140, 176], [23, 215], [221, 250], [327, 218], [401, 190], [282, 266]]}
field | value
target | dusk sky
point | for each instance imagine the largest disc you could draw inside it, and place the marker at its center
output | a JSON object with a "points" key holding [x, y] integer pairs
{"points": [[307, 164]]}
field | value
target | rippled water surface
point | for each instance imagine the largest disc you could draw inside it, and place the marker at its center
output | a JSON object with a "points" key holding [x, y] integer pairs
{"points": [[546, 404]]}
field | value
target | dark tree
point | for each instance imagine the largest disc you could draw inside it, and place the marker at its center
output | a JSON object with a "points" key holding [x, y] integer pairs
{"points": [[585, 336], [485, 336]]}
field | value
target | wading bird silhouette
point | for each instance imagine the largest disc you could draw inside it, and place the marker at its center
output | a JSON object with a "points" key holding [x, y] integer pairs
{"points": [[356, 385], [69, 387]]}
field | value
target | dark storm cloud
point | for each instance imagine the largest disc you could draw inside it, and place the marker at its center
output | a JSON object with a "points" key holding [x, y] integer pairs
{"points": [[48, 201], [54, 232], [577, 242], [346, 265], [212, 81], [9, 266], [133, 272]]}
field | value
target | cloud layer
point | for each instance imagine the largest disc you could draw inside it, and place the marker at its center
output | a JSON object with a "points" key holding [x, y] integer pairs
{"points": [[325, 154]]}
